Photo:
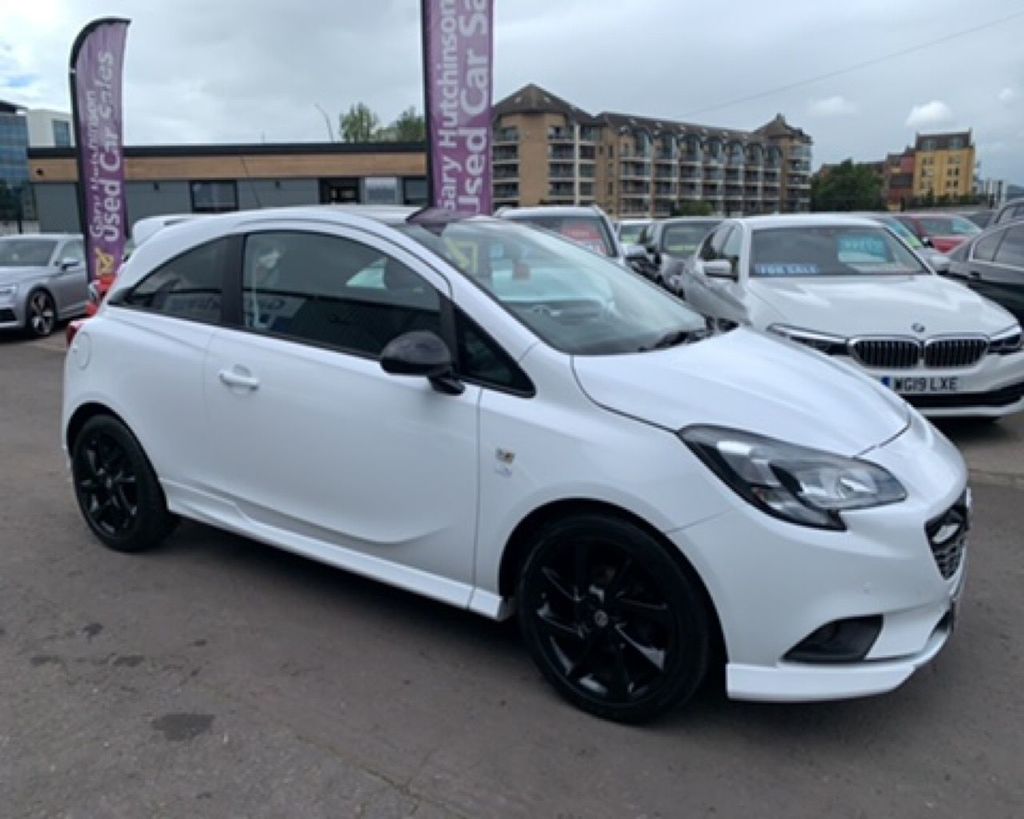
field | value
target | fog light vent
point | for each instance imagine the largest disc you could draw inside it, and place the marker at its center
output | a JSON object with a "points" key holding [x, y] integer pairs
{"points": [[841, 641]]}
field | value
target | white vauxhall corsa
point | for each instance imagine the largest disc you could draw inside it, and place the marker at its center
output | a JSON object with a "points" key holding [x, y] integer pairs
{"points": [[492, 417], [848, 287]]}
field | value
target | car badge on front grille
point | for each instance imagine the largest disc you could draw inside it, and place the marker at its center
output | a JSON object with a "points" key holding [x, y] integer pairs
{"points": [[917, 327]]}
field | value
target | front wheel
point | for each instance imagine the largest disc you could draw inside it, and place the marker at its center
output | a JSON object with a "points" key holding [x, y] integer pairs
{"points": [[613, 622], [40, 314], [117, 491]]}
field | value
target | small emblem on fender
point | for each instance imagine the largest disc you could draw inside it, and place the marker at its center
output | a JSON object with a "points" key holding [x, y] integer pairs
{"points": [[504, 458]]}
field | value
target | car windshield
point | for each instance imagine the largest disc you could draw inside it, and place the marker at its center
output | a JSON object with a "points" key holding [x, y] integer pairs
{"points": [[629, 233], [574, 300], [682, 238], [905, 233], [25, 252], [587, 231], [829, 251], [948, 226]]}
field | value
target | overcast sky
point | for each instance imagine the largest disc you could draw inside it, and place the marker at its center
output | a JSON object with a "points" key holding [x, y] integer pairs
{"points": [[249, 70]]}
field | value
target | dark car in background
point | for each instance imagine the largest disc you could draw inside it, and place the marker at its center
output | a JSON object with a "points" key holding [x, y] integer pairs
{"points": [[943, 231], [669, 242], [1012, 211], [992, 263]]}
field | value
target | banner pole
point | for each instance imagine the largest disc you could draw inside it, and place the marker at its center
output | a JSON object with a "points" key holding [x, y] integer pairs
{"points": [[427, 118]]}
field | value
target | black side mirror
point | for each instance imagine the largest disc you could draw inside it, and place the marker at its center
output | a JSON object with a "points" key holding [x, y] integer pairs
{"points": [[927, 241], [422, 353]]}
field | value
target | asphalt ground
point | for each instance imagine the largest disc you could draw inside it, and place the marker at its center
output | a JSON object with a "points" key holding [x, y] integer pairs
{"points": [[219, 677]]}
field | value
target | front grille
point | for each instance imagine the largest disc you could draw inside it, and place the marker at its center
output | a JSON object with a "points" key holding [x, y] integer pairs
{"points": [[887, 353], [996, 398], [954, 352], [947, 535], [6, 316]]}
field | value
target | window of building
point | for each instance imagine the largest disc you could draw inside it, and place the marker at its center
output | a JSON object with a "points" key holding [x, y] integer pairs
{"points": [[214, 196], [331, 291], [414, 190], [190, 286], [61, 133], [380, 190]]}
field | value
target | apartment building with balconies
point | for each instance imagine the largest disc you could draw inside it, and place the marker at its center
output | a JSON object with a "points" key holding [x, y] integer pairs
{"points": [[549, 151]]}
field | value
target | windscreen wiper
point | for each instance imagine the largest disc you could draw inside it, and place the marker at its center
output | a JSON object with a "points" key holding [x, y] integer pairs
{"points": [[674, 338]]}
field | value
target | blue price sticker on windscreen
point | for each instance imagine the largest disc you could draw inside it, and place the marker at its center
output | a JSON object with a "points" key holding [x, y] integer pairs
{"points": [[785, 269]]}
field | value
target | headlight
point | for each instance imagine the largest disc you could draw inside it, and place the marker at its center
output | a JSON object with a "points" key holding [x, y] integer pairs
{"points": [[791, 482], [8, 290], [822, 342], [1007, 342]]}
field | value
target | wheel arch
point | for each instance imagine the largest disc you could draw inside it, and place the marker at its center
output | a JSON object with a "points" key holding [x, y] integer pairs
{"points": [[517, 549], [83, 414]]}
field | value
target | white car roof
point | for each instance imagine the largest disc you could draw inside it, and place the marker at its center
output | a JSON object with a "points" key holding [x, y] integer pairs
{"points": [[805, 220], [552, 210]]}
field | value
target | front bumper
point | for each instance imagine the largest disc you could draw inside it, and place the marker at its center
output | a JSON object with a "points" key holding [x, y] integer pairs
{"points": [[774, 583], [989, 389], [12, 315]]}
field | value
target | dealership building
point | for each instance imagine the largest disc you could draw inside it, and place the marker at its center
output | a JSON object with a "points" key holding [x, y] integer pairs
{"points": [[217, 178]]}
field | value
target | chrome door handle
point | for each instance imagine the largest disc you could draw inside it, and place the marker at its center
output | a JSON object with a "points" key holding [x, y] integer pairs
{"points": [[235, 378]]}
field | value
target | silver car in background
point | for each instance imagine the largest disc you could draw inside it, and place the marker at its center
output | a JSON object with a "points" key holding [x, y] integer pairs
{"points": [[43, 280]]}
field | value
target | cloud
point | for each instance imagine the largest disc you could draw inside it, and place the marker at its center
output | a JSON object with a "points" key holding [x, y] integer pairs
{"points": [[1006, 95], [929, 113], [837, 106]]}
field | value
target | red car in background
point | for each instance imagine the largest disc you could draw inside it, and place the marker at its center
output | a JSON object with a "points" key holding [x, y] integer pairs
{"points": [[943, 231]]}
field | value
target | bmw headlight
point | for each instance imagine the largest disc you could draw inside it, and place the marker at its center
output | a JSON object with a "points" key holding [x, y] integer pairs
{"points": [[1007, 342], [8, 291], [822, 342], [790, 482]]}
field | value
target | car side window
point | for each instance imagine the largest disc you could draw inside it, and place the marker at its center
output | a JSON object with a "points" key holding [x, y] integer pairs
{"points": [[333, 291], [712, 247], [731, 248], [481, 359], [1011, 251], [73, 250], [189, 286], [985, 248]]}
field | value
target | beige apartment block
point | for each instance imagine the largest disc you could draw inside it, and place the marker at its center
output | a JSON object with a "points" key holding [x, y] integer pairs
{"points": [[549, 151]]}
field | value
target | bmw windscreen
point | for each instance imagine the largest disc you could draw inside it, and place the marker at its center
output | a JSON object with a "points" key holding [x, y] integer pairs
{"points": [[830, 251]]}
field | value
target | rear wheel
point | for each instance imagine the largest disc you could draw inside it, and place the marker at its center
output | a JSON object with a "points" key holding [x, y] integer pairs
{"points": [[40, 314], [613, 622], [117, 490]]}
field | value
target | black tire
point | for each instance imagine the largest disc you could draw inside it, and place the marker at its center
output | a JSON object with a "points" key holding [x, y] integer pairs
{"points": [[40, 314], [117, 491], [614, 623]]}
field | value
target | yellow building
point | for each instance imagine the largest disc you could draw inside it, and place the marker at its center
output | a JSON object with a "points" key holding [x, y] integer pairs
{"points": [[944, 165]]}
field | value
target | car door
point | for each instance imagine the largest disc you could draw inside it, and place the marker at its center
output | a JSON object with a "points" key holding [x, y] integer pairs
{"points": [[995, 268], [70, 284], [696, 285], [313, 442]]}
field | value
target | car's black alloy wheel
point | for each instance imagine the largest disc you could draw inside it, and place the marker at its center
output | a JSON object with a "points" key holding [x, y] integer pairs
{"points": [[41, 314], [117, 491], [612, 620]]}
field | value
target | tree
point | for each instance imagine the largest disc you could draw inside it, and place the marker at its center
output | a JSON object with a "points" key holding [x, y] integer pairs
{"points": [[360, 124], [692, 209], [847, 187], [409, 127]]}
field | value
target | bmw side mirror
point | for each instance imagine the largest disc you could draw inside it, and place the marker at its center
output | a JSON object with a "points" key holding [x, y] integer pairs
{"points": [[68, 263], [940, 264], [927, 241], [718, 269], [422, 353]]}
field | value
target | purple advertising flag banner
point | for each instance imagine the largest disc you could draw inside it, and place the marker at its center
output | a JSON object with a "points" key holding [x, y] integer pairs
{"points": [[458, 58], [97, 58]]}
